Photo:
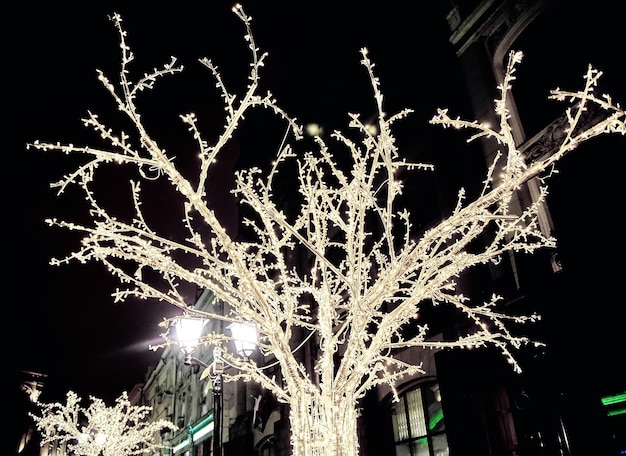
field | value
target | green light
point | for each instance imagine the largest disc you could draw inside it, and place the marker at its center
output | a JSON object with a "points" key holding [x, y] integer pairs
{"points": [[614, 399], [181, 445], [201, 424], [616, 412], [436, 418]]}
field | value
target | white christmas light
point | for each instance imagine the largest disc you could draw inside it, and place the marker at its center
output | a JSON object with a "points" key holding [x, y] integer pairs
{"points": [[98, 429], [369, 271]]}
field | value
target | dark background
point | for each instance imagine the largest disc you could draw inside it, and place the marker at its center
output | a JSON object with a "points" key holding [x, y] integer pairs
{"points": [[62, 320]]}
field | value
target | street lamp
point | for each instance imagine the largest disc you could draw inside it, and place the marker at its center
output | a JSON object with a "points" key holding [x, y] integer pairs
{"points": [[245, 337], [189, 333]]}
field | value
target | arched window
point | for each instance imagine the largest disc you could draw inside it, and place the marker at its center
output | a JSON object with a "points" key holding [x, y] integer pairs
{"points": [[418, 425]]}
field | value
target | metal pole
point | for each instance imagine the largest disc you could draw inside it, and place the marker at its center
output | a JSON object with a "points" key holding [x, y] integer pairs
{"points": [[218, 369], [217, 415]]}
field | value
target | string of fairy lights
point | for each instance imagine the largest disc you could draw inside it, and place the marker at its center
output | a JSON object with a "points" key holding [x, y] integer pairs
{"points": [[363, 285]]}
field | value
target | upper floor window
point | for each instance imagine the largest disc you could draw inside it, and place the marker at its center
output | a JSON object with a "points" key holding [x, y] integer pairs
{"points": [[418, 425]]}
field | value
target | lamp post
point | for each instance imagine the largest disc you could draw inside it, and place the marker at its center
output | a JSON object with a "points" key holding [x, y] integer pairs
{"points": [[218, 370], [189, 333]]}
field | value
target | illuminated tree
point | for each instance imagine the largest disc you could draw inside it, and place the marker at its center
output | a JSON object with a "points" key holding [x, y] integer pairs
{"points": [[99, 430], [369, 273]]}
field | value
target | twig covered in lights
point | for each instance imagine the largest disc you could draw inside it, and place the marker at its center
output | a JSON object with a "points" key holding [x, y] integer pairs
{"points": [[99, 430], [369, 272]]}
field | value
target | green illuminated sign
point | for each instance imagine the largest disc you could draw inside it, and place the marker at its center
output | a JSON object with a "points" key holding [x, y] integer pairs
{"points": [[612, 402]]}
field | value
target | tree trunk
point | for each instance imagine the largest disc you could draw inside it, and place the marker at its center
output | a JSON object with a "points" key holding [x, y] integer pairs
{"points": [[323, 426]]}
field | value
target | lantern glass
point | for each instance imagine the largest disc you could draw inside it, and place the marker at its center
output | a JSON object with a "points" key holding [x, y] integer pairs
{"points": [[189, 331], [245, 338]]}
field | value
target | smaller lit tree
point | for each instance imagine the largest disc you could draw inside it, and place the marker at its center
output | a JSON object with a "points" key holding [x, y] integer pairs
{"points": [[100, 430]]}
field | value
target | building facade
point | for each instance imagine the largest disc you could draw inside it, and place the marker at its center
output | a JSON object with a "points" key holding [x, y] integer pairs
{"points": [[554, 406], [185, 394]]}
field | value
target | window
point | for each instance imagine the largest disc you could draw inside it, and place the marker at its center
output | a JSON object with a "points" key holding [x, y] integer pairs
{"points": [[418, 425]]}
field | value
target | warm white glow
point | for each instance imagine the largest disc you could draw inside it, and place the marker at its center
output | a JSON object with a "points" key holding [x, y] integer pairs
{"points": [[100, 439], [363, 285], [188, 332], [314, 129], [245, 337], [122, 429]]}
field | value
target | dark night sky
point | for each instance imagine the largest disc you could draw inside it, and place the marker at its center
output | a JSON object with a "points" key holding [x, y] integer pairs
{"points": [[62, 320]]}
